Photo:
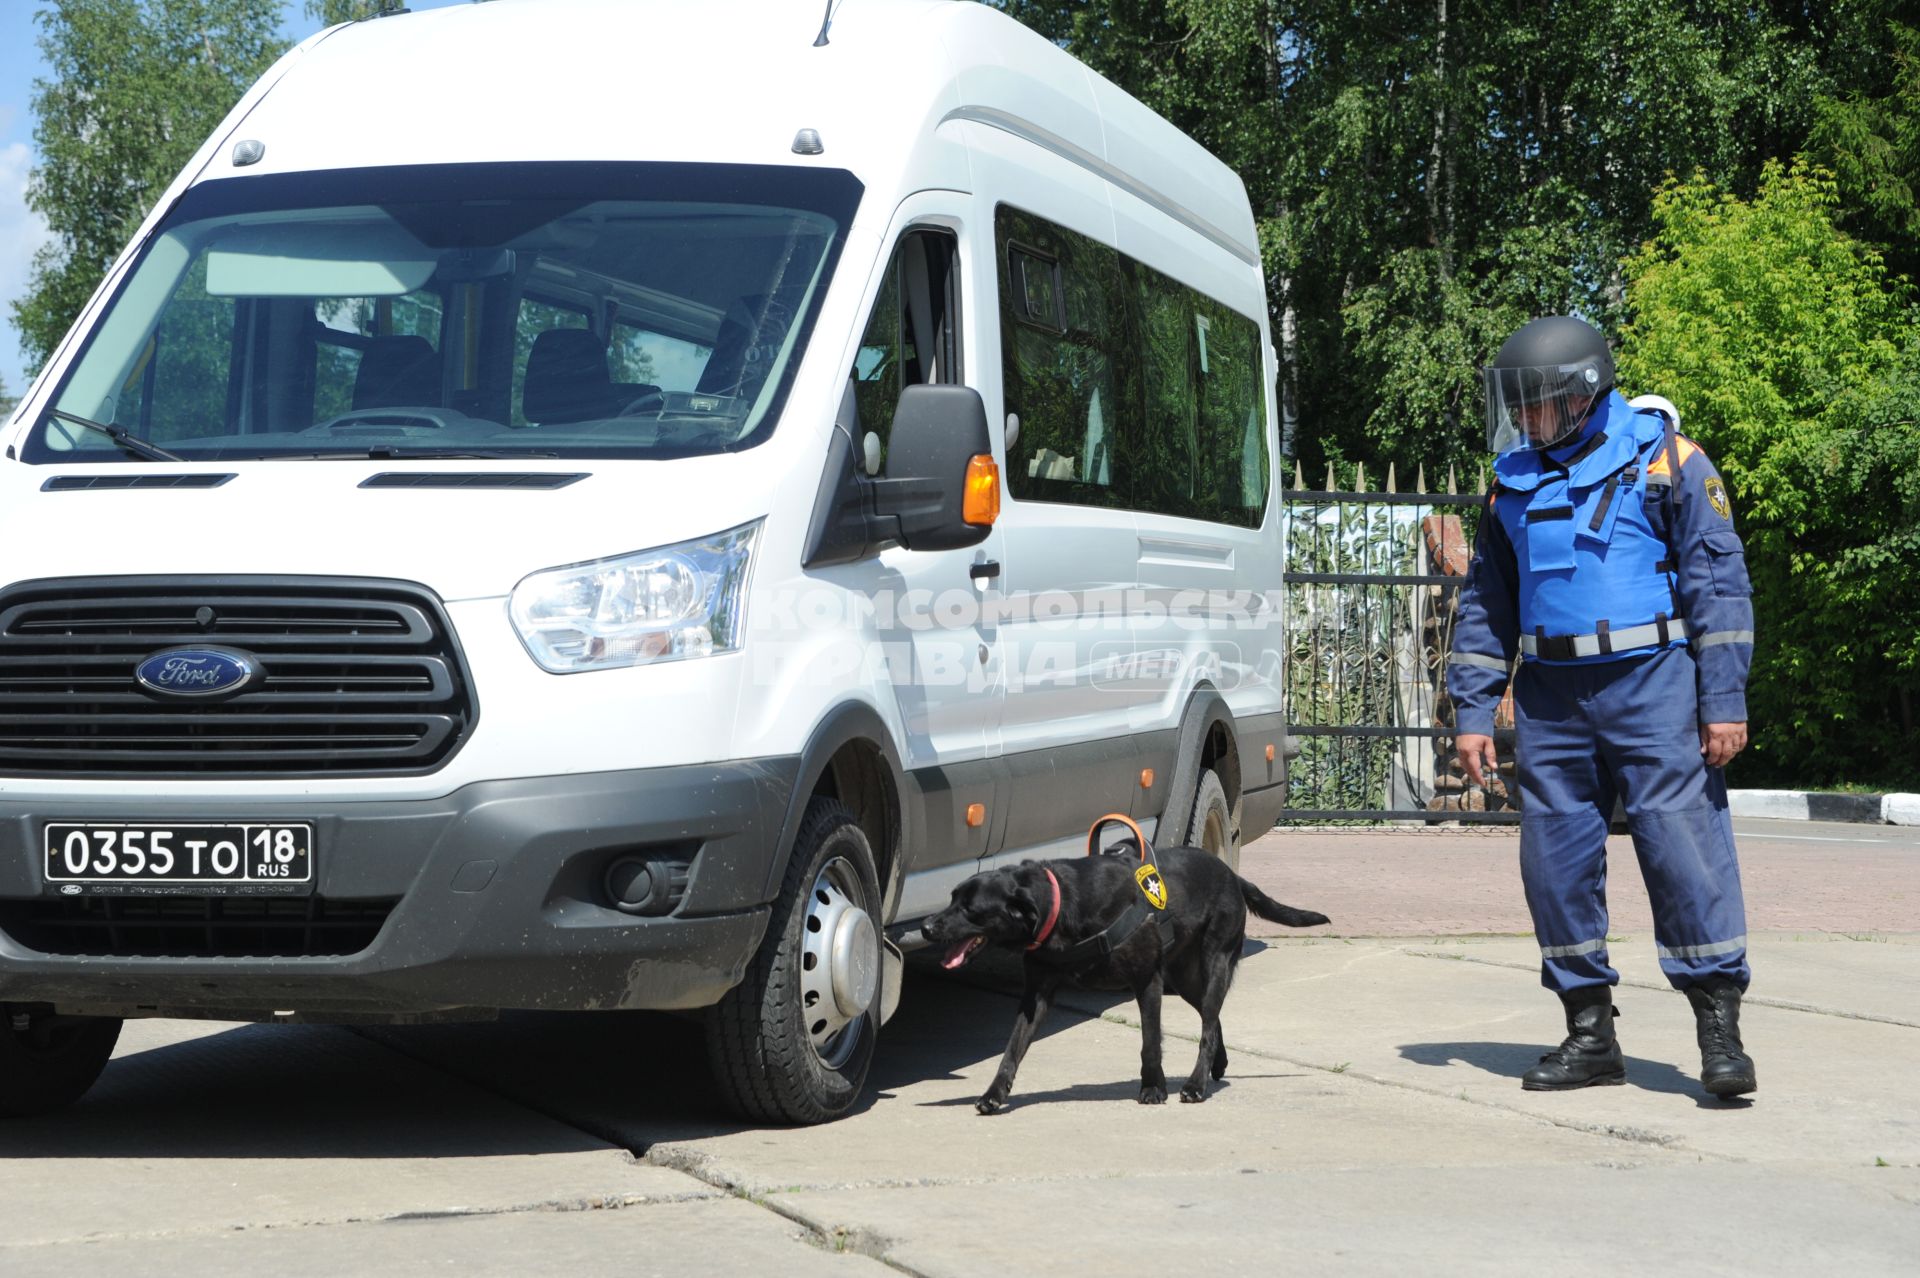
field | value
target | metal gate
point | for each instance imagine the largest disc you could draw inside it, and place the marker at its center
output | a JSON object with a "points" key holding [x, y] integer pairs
{"points": [[1371, 588]]}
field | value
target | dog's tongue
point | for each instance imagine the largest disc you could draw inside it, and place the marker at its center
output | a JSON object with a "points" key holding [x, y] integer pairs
{"points": [[962, 952]]}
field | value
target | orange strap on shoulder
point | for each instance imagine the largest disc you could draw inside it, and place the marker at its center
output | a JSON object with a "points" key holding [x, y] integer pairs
{"points": [[1685, 447], [1093, 833]]}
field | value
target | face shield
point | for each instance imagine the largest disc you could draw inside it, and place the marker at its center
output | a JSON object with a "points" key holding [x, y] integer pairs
{"points": [[1540, 407]]}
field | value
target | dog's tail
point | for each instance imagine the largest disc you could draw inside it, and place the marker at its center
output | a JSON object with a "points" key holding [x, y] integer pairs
{"points": [[1274, 912]]}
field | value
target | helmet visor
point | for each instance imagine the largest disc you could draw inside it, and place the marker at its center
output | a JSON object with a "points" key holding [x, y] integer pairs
{"points": [[1540, 407]]}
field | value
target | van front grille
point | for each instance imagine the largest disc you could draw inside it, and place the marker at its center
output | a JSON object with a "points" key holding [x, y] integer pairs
{"points": [[355, 678], [194, 926]]}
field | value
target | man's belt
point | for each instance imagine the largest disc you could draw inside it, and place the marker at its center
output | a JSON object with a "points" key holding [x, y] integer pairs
{"points": [[1548, 647]]}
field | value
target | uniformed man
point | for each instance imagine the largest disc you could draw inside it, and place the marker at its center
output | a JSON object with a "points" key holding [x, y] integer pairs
{"points": [[1607, 563]]}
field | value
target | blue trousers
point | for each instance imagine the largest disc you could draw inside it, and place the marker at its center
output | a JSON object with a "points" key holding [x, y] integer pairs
{"points": [[1626, 728]]}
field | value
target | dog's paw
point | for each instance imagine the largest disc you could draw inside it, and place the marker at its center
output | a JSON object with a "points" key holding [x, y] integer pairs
{"points": [[991, 1104], [1192, 1095], [1152, 1094]]}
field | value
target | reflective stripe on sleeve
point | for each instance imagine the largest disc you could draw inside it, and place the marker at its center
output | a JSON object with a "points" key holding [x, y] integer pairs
{"points": [[1477, 659], [1724, 636]]}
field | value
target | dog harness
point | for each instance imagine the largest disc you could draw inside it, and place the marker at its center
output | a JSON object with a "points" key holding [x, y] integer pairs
{"points": [[1099, 946]]}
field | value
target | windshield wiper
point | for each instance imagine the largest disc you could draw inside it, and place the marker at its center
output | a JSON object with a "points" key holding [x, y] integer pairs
{"points": [[130, 444]]}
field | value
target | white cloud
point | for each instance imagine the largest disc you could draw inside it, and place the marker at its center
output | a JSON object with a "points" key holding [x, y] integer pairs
{"points": [[22, 232]]}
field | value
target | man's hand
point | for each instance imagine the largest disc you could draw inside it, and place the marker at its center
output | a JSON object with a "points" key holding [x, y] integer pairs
{"points": [[1719, 742], [1476, 751]]}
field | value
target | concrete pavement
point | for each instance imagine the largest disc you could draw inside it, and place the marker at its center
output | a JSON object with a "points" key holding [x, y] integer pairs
{"points": [[1371, 1120]]}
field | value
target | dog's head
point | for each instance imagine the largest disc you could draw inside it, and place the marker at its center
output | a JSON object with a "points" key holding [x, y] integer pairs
{"points": [[999, 907]]}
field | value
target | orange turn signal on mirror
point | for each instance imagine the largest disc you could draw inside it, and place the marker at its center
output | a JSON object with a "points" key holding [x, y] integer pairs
{"points": [[976, 815], [982, 504]]}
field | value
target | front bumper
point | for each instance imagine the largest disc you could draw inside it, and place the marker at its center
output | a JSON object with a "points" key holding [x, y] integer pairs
{"points": [[495, 891]]}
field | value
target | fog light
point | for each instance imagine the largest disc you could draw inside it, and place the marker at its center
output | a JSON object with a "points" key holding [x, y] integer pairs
{"points": [[644, 885]]}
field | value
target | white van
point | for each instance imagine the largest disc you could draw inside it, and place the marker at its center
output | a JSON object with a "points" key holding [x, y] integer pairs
{"points": [[584, 504]]}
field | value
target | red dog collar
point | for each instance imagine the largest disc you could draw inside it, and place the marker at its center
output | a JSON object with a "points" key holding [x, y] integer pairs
{"points": [[1053, 915]]}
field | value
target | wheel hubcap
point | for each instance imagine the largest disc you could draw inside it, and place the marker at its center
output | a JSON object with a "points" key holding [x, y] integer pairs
{"points": [[839, 962]]}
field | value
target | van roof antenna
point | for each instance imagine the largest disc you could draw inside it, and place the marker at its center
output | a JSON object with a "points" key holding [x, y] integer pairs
{"points": [[820, 41]]}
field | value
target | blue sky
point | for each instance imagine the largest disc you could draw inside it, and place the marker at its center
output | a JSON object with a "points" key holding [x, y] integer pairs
{"points": [[21, 231]]}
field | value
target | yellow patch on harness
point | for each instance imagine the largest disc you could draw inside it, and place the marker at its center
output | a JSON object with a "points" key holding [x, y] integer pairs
{"points": [[1152, 885]]}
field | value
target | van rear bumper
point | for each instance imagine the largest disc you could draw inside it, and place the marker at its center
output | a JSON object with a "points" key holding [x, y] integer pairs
{"points": [[489, 898]]}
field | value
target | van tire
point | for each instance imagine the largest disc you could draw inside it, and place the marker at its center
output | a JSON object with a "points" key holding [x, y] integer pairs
{"points": [[765, 1061], [51, 1064], [1214, 827]]}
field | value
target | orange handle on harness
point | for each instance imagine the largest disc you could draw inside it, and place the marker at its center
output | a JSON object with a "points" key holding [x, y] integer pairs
{"points": [[1093, 834]]}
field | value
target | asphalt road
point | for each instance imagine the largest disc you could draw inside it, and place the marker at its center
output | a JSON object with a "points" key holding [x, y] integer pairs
{"points": [[1371, 1121]]}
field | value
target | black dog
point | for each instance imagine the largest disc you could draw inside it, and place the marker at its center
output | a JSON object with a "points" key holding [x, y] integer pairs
{"points": [[1092, 920]]}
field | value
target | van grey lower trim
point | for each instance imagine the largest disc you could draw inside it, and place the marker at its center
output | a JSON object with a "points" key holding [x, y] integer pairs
{"points": [[492, 897]]}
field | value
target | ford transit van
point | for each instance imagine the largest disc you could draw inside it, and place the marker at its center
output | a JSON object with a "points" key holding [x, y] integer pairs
{"points": [[591, 505]]}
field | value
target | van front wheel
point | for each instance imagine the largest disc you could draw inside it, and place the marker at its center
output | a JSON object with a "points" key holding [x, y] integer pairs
{"points": [[793, 1041], [1215, 826]]}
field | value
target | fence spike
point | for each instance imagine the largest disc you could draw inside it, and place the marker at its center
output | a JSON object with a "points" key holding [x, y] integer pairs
{"points": [[1359, 477], [1453, 485], [1299, 480], [1391, 487], [1480, 485], [1330, 484], [1420, 480]]}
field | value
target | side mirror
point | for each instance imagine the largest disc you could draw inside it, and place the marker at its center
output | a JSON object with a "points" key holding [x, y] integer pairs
{"points": [[941, 485]]}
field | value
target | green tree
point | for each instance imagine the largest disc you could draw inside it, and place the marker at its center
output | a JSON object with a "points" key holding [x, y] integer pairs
{"points": [[1869, 135], [134, 88], [1426, 174], [1797, 366], [329, 12]]}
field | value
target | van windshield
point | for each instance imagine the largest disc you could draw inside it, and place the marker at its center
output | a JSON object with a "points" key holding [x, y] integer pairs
{"points": [[565, 310]]}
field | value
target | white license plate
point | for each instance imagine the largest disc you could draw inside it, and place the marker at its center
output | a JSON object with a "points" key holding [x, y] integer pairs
{"points": [[226, 857]]}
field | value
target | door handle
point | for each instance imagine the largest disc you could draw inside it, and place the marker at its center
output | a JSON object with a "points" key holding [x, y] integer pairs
{"points": [[986, 570]]}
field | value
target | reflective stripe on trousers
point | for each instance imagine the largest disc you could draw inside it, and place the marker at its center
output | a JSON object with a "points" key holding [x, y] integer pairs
{"points": [[1630, 728]]}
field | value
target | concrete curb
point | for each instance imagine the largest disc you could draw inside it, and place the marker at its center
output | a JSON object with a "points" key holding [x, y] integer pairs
{"points": [[1813, 805]]}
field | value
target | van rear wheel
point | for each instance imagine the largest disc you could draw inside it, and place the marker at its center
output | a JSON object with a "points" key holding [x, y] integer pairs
{"points": [[793, 1041], [1214, 827], [47, 1062]]}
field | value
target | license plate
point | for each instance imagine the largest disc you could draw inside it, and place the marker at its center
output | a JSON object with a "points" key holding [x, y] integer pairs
{"points": [[226, 858]]}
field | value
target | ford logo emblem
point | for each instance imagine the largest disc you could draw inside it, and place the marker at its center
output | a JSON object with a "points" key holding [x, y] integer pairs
{"points": [[196, 672]]}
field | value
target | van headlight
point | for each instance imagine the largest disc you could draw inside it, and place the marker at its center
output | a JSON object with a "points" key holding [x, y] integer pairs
{"points": [[687, 600]]}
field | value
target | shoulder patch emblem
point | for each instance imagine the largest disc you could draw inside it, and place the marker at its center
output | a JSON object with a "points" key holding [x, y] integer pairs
{"points": [[1717, 497], [1152, 886]]}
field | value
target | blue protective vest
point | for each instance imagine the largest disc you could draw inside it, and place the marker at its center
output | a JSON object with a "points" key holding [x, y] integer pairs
{"points": [[1589, 559]]}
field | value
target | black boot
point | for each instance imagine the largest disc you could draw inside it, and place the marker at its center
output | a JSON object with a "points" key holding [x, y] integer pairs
{"points": [[1591, 1055], [1725, 1068]]}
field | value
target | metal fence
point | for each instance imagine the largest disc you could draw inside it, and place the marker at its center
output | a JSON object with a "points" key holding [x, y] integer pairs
{"points": [[1372, 585]]}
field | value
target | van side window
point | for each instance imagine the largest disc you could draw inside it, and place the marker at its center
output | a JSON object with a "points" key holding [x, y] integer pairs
{"points": [[1060, 300], [912, 337], [1132, 389]]}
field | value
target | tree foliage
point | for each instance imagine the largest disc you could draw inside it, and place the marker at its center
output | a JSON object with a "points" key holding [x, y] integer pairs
{"points": [[133, 89], [1796, 364], [1428, 174]]}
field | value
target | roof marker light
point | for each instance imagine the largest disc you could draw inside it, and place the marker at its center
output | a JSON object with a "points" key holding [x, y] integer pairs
{"points": [[807, 142], [248, 151]]}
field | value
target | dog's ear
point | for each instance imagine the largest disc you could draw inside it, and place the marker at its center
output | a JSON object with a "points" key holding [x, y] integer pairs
{"points": [[1022, 904]]}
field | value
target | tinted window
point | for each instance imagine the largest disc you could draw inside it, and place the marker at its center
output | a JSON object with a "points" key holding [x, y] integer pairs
{"points": [[1131, 389]]}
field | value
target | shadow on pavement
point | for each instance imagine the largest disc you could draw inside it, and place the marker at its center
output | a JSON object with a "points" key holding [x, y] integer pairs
{"points": [[285, 1092], [528, 1083], [1511, 1060]]}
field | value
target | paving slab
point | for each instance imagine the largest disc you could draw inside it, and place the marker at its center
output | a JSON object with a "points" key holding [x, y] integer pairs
{"points": [[716, 1238], [1417, 1218], [1835, 1090]]}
